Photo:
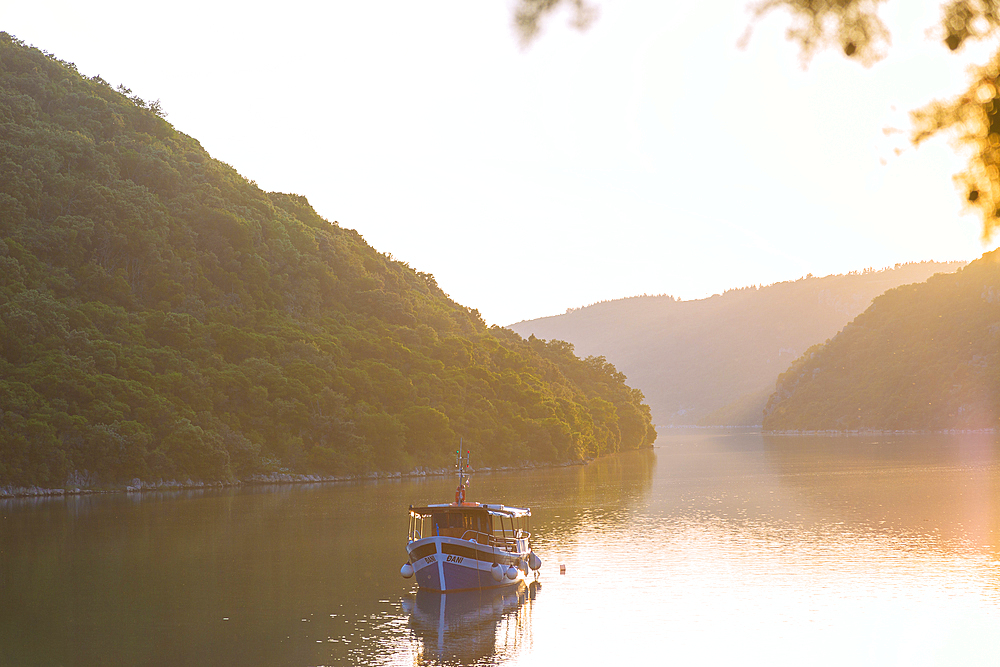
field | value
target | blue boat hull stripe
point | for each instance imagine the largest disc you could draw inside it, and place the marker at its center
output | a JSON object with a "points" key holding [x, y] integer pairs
{"points": [[459, 577]]}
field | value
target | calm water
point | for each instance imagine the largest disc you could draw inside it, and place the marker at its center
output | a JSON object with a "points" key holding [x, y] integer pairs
{"points": [[710, 549]]}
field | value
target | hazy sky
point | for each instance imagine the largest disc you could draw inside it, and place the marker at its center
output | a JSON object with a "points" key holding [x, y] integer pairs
{"points": [[647, 155]]}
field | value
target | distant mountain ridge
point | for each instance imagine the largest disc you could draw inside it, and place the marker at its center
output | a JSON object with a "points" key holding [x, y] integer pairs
{"points": [[922, 357], [715, 360]]}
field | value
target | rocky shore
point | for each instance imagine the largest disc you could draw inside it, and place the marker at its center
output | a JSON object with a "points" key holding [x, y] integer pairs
{"points": [[141, 486]]}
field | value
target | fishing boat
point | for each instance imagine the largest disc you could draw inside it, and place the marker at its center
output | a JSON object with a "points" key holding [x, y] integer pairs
{"points": [[465, 545]]}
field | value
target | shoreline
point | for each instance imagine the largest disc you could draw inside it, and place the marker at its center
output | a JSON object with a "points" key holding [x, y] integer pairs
{"points": [[836, 432], [875, 431], [139, 486]]}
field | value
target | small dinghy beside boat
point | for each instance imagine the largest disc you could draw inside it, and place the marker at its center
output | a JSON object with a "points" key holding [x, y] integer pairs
{"points": [[466, 546]]}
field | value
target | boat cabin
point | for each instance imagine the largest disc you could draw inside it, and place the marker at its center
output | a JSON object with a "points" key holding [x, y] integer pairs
{"points": [[493, 525]]}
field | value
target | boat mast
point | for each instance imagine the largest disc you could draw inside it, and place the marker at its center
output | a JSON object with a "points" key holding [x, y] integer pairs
{"points": [[462, 477]]}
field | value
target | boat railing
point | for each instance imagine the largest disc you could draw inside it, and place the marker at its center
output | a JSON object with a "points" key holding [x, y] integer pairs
{"points": [[505, 543], [479, 537]]}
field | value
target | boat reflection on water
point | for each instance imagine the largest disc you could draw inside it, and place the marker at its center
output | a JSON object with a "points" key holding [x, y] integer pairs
{"points": [[465, 627]]}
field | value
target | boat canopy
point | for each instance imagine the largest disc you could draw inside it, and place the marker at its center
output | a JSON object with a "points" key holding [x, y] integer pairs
{"points": [[495, 510]]}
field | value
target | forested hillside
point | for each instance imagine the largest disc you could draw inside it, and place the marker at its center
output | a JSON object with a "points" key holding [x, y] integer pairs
{"points": [[922, 357], [161, 317], [714, 361]]}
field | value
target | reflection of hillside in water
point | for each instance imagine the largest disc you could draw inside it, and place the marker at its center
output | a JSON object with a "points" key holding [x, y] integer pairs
{"points": [[611, 481], [616, 481], [566, 501], [943, 487], [468, 627]]}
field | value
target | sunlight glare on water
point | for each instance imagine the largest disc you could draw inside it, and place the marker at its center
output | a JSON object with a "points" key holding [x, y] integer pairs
{"points": [[709, 593], [788, 562]]}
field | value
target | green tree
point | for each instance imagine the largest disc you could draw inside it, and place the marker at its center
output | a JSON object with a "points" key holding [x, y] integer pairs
{"points": [[429, 436]]}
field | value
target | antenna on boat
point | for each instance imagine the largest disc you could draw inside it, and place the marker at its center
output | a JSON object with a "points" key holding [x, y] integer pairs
{"points": [[462, 477]]}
